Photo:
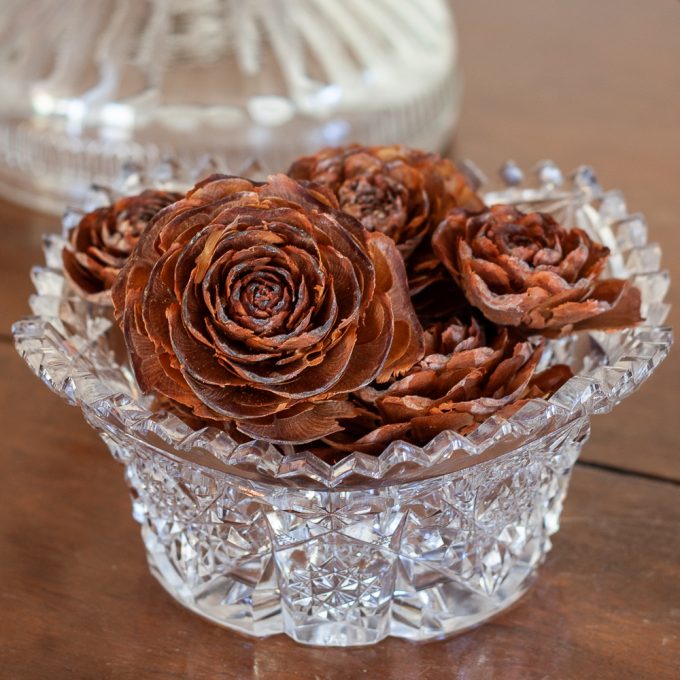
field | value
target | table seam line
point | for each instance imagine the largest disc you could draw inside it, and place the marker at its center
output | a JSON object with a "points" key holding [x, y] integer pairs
{"points": [[606, 467]]}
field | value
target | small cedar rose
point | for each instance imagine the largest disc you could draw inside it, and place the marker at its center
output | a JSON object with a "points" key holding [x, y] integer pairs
{"points": [[100, 244], [401, 192], [467, 374], [262, 306], [526, 270]]}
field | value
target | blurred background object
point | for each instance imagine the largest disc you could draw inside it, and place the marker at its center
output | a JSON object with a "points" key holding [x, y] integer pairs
{"points": [[243, 85]]}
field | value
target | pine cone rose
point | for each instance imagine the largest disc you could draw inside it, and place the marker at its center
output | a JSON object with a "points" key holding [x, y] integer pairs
{"points": [[526, 270], [262, 305], [401, 192], [102, 241], [463, 378]]}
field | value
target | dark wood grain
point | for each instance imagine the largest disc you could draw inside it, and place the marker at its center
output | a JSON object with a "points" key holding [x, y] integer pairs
{"points": [[578, 81], [79, 602]]}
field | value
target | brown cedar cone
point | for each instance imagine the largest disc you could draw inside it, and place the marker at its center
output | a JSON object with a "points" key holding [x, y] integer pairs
{"points": [[526, 270], [462, 380], [262, 305], [401, 192], [102, 241]]}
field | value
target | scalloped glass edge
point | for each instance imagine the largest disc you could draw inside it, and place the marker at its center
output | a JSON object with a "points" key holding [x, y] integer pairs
{"points": [[65, 345]]}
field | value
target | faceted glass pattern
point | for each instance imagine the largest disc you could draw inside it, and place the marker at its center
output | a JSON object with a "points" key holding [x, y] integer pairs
{"points": [[415, 543]]}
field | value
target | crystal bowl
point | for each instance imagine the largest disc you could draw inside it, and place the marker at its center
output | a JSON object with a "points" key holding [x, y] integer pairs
{"points": [[415, 543]]}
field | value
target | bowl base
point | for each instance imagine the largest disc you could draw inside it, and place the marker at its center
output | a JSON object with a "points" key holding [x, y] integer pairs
{"points": [[443, 610]]}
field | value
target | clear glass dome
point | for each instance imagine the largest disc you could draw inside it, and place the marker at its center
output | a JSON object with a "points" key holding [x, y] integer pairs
{"points": [[249, 83]]}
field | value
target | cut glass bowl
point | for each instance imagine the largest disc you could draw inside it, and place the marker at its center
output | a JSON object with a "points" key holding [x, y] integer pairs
{"points": [[415, 543]]}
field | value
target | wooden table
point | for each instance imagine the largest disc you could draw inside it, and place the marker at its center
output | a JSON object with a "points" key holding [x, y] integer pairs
{"points": [[577, 82]]}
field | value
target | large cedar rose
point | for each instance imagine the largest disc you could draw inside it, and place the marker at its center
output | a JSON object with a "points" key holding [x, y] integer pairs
{"points": [[401, 192], [464, 377], [263, 305], [526, 270], [100, 244]]}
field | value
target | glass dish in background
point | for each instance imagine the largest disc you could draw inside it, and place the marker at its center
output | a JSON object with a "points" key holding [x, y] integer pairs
{"points": [[250, 84]]}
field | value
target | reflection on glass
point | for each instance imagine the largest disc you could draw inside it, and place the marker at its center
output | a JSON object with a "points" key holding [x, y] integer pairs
{"points": [[251, 83]]}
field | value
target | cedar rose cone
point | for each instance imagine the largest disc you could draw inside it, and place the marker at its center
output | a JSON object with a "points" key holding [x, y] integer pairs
{"points": [[401, 192], [262, 305], [464, 377], [102, 241], [526, 270]]}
